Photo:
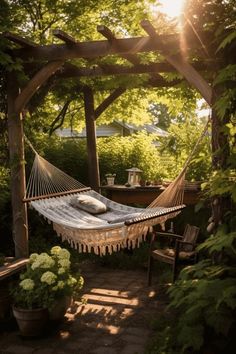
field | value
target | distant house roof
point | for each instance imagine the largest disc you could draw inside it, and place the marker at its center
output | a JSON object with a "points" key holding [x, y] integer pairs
{"points": [[150, 128], [114, 128]]}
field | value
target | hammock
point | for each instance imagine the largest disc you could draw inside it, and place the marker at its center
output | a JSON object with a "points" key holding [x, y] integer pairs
{"points": [[50, 192]]}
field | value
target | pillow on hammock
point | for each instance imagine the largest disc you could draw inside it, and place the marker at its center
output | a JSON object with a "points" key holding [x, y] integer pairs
{"points": [[89, 204]]}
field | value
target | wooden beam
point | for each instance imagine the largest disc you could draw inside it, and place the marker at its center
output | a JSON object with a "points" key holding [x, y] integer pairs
{"points": [[181, 65], [94, 178], [108, 100], [64, 37], [17, 166], [132, 58], [106, 32], [15, 38], [34, 84], [70, 70], [94, 49]]}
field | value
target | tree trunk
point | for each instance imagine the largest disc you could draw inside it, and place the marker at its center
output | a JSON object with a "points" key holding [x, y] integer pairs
{"points": [[220, 154], [17, 166]]}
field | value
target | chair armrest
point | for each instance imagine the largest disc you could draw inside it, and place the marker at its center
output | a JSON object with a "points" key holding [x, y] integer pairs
{"points": [[168, 234]]}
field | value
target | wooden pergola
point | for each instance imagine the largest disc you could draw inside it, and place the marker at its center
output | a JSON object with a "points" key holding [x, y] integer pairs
{"points": [[53, 61]]}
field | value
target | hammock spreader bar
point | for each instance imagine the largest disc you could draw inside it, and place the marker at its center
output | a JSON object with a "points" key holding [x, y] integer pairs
{"points": [[50, 190], [59, 194]]}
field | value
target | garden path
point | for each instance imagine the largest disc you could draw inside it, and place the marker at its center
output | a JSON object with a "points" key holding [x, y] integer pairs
{"points": [[115, 320]]}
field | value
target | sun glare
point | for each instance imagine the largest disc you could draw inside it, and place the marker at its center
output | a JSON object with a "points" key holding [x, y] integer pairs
{"points": [[172, 8]]}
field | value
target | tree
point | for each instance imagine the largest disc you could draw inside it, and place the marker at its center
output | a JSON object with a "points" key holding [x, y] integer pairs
{"points": [[179, 144]]}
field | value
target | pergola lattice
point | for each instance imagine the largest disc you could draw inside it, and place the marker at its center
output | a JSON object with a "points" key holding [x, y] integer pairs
{"points": [[53, 60]]}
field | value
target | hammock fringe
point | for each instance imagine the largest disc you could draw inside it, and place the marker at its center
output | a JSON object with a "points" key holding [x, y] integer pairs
{"points": [[50, 190]]}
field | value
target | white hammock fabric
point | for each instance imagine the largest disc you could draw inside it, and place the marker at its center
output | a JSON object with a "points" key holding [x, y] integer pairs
{"points": [[50, 191], [90, 233], [121, 226]]}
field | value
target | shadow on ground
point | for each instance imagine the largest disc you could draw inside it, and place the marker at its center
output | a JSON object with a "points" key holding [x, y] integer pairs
{"points": [[116, 318]]}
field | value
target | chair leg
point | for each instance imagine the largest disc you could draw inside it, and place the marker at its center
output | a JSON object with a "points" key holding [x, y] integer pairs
{"points": [[149, 273], [174, 271]]}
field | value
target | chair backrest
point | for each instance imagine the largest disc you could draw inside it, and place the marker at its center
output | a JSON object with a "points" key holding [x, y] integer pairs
{"points": [[190, 235]]}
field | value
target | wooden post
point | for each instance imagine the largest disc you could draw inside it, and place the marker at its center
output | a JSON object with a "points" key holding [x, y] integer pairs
{"points": [[94, 178], [17, 166]]}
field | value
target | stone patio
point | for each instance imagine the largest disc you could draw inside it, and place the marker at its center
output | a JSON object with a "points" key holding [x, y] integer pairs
{"points": [[116, 318]]}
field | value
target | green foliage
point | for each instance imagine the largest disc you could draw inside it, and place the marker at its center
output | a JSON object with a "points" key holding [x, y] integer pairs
{"points": [[203, 300], [221, 183], [116, 154], [221, 242], [5, 211], [203, 304], [228, 39], [205, 297], [179, 144]]}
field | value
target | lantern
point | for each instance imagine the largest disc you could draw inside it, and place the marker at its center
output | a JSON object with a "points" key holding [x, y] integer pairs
{"points": [[134, 176]]}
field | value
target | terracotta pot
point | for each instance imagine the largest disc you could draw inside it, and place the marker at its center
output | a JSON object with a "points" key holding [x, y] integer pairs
{"points": [[58, 311], [31, 323]]}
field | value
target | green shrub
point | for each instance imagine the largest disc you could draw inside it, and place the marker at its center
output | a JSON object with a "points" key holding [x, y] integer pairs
{"points": [[116, 154]]}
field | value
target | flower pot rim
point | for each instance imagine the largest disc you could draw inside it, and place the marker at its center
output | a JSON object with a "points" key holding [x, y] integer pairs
{"points": [[17, 308]]}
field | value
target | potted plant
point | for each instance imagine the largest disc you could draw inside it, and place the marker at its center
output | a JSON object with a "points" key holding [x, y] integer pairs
{"points": [[110, 178], [46, 284]]}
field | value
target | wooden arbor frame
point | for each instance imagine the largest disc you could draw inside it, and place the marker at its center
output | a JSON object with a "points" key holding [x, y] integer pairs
{"points": [[52, 59]]}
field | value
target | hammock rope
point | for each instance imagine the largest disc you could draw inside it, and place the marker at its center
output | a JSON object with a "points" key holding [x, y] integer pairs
{"points": [[46, 179], [174, 193], [50, 190]]}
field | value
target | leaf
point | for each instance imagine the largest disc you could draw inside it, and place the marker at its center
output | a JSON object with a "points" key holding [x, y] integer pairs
{"points": [[227, 41], [229, 294], [191, 336], [226, 74]]}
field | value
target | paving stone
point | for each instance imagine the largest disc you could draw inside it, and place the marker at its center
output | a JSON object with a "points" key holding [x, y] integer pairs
{"points": [[115, 319], [44, 351], [104, 350], [107, 340], [132, 339], [133, 349], [19, 349], [136, 331]]}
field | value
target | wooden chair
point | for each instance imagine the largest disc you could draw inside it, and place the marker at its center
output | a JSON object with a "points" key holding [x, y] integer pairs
{"points": [[183, 252]]}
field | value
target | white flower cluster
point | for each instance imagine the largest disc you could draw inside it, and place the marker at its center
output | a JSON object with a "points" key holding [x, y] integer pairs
{"points": [[64, 263], [48, 278], [27, 284], [71, 281], [42, 260], [61, 253]]}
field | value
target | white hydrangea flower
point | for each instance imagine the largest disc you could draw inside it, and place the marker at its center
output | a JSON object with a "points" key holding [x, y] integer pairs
{"points": [[71, 281], [27, 284], [33, 257], [55, 288], [64, 254], [43, 261], [55, 250], [48, 277], [64, 263], [61, 270], [60, 284]]}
